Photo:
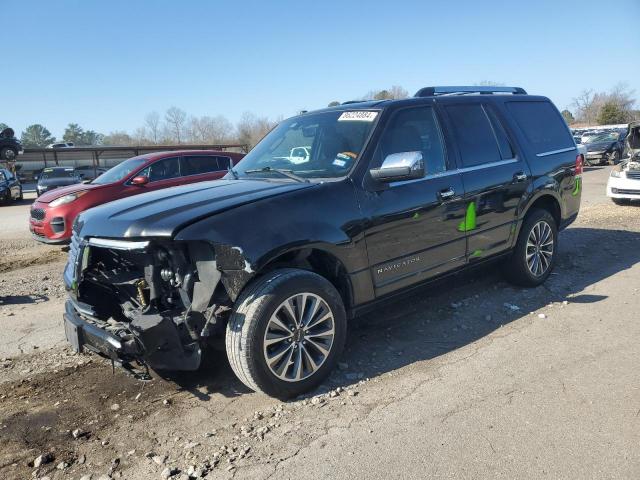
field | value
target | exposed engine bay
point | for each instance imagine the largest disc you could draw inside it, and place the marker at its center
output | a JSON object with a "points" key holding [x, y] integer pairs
{"points": [[162, 300]]}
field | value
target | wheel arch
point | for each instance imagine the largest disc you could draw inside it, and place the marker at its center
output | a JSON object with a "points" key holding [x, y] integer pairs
{"points": [[315, 259], [545, 200]]}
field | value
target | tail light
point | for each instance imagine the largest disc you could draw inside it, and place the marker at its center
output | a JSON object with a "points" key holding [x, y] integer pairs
{"points": [[579, 164]]}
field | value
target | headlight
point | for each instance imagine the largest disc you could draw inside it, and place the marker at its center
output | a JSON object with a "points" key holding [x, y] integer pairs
{"points": [[616, 173], [66, 199]]}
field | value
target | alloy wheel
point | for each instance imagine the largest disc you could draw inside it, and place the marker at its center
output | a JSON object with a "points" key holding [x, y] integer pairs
{"points": [[299, 337], [539, 251]]}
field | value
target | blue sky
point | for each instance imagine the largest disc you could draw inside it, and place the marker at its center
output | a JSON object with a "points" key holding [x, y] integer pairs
{"points": [[105, 64]]}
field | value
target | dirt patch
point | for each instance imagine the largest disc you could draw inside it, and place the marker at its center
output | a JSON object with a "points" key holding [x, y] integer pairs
{"points": [[39, 414], [16, 254]]}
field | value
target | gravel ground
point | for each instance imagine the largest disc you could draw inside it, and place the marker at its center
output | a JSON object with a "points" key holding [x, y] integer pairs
{"points": [[471, 379]]}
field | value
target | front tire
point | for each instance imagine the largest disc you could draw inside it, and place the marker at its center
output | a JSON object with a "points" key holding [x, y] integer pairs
{"points": [[286, 332], [536, 250], [615, 157]]}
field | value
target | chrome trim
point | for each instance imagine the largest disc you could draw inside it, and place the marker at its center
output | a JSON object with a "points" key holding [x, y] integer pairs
{"points": [[553, 152], [117, 244], [83, 308], [458, 171]]}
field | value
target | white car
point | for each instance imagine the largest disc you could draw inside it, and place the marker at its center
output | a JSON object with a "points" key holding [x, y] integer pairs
{"points": [[61, 145], [624, 181]]}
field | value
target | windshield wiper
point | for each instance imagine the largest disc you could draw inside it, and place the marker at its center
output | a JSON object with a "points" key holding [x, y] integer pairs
{"points": [[286, 173]]}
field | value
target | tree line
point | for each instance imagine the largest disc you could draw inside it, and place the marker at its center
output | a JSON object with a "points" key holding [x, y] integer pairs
{"points": [[612, 107], [175, 126]]}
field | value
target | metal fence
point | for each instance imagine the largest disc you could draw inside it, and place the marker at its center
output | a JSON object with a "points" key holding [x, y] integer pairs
{"points": [[35, 159]]}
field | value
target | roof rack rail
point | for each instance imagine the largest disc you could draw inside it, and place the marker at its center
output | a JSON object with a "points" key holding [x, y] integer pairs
{"points": [[465, 90]]}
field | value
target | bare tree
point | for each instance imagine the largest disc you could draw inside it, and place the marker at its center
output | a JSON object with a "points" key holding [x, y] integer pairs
{"points": [[393, 93], [589, 105], [251, 129], [489, 83], [209, 129], [584, 106], [175, 119], [141, 136], [152, 123], [118, 138]]}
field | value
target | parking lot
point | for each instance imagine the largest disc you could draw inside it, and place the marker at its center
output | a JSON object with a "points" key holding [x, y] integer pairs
{"points": [[470, 379]]}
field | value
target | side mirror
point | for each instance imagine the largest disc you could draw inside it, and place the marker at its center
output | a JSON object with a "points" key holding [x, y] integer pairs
{"points": [[399, 166], [140, 181]]}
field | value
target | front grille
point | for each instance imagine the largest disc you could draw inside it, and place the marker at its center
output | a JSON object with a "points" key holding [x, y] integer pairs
{"points": [[623, 191], [38, 213], [635, 174]]}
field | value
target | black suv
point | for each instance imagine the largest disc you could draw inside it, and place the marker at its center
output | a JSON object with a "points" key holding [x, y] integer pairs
{"points": [[10, 146], [331, 213]]}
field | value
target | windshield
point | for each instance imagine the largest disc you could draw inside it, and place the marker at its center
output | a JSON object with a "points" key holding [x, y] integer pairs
{"points": [[47, 174], [321, 145], [120, 171], [605, 137]]}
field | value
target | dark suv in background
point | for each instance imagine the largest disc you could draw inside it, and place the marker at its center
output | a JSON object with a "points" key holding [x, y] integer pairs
{"points": [[10, 146], [390, 195]]}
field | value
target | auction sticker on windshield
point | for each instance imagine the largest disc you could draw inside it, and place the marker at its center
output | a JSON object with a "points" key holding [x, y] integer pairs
{"points": [[359, 116]]}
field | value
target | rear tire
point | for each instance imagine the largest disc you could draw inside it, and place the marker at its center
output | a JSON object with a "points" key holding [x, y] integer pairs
{"points": [[535, 252], [286, 332]]}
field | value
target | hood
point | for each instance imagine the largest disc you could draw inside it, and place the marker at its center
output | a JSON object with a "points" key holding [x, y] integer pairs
{"points": [[59, 192], [57, 182], [162, 213]]}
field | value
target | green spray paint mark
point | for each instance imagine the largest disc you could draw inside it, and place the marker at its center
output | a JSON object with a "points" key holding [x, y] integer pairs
{"points": [[469, 222], [477, 253], [578, 186], [416, 216]]}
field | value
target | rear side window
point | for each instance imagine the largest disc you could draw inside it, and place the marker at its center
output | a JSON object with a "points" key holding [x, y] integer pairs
{"points": [[199, 164], [474, 134], [542, 126]]}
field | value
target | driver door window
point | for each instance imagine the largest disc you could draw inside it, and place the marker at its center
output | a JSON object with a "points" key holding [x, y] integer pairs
{"points": [[414, 130], [164, 169]]}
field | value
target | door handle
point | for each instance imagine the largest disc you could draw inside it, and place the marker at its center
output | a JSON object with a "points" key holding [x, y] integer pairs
{"points": [[519, 177], [447, 193]]}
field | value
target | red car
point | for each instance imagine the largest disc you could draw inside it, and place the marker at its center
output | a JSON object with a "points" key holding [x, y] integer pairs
{"points": [[53, 213]]}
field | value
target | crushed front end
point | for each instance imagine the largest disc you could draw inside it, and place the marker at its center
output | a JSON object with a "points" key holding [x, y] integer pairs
{"points": [[153, 303]]}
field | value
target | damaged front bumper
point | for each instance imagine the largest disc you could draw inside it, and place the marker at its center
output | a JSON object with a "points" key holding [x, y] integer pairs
{"points": [[153, 341], [154, 303]]}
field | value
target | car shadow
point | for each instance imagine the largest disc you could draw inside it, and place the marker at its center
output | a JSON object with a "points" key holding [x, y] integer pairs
{"points": [[24, 201], [449, 314], [22, 299]]}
